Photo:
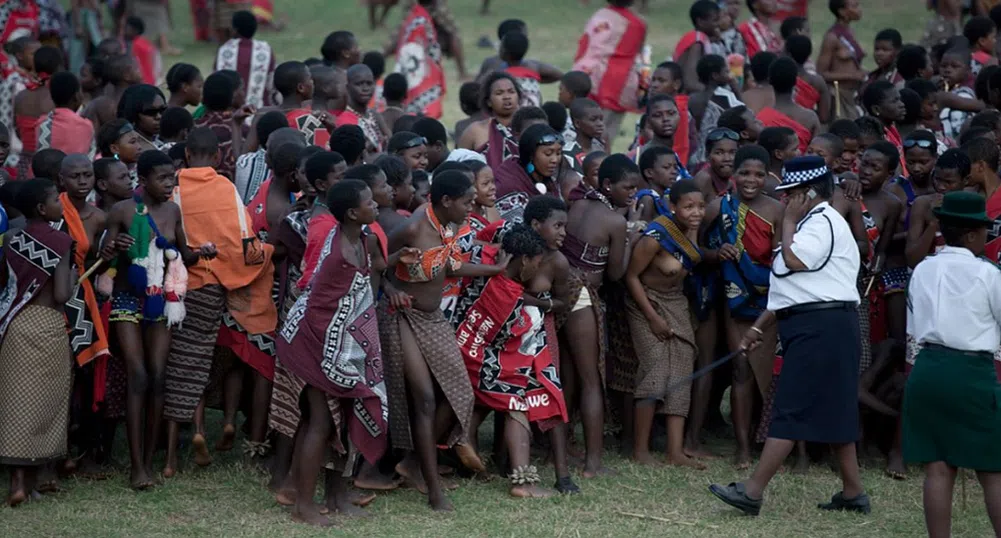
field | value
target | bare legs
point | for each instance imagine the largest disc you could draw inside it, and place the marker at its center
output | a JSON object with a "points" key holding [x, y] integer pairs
{"points": [[146, 367], [744, 384], [645, 412], [518, 439], [421, 391], [705, 338], [310, 457], [232, 391], [581, 330], [940, 479], [775, 453]]}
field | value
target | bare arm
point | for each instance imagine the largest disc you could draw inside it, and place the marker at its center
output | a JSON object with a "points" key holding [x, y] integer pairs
{"points": [[690, 74], [826, 61], [920, 233], [644, 253], [548, 73], [64, 278], [712, 213], [824, 105], [378, 262], [889, 228], [618, 248]]}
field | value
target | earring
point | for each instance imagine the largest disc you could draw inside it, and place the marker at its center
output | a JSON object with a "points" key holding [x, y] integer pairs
{"points": [[530, 168], [116, 157]]}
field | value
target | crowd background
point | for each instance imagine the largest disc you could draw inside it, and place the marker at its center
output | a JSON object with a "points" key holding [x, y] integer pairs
{"points": [[639, 502]]}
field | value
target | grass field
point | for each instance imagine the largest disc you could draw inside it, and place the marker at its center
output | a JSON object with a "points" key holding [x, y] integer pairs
{"points": [[229, 499]]}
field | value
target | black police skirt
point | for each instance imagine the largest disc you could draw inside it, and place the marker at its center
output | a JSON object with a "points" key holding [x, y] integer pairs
{"points": [[816, 398]]}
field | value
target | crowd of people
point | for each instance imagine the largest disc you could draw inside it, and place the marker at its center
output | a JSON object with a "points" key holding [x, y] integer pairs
{"points": [[306, 244]]}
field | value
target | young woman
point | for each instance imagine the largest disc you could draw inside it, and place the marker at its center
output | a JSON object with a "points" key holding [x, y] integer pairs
{"points": [[119, 140], [142, 106], [597, 246], [741, 233], [398, 175], [185, 84], [35, 353], [411, 147], [661, 324], [533, 172], [493, 137], [484, 211], [141, 320]]}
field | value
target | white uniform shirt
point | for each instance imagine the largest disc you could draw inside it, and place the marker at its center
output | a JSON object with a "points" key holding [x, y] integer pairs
{"points": [[954, 300], [825, 244]]}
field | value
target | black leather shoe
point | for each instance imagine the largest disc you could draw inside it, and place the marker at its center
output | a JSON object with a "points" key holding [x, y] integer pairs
{"points": [[736, 496], [859, 504]]}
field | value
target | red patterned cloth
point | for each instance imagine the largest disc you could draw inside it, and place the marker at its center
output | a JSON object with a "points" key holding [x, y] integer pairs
{"points": [[758, 37], [607, 51], [418, 57]]}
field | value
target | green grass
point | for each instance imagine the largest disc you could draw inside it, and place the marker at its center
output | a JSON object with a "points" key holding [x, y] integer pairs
{"points": [[229, 499]]}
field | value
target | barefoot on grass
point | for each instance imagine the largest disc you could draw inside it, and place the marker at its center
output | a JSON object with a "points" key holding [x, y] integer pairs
{"points": [[201, 448], [141, 481], [376, 481], [225, 443], [311, 515], [16, 498], [742, 461], [349, 504], [685, 461], [411, 473], [700, 452], [600, 471], [286, 497], [470, 460], [531, 491], [361, 498], [646, 459], [440, 504]]}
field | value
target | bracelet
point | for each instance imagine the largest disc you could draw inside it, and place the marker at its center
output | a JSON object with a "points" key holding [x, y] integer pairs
{"points": [[550, 309], [757, 330]]}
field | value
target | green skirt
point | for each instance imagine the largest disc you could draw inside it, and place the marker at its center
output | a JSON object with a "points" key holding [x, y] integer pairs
{"points": [[952, 410]]}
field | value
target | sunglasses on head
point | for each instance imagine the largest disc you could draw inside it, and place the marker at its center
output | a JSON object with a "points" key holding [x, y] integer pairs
{"points": [[127, 128], [924, 144], [719, 134], [414, 142], [550, 139]]}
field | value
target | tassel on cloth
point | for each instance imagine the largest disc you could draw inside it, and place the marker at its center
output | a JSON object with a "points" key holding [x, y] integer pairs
{"points": [[175, 286]]}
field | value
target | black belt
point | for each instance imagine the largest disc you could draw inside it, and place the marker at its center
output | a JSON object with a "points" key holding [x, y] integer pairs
{"points": [[977, 354], [813, 307]]}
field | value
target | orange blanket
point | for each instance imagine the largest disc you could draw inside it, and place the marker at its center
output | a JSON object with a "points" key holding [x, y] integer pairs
{"points": [[87, 336], [212, 212], [771, 117]]}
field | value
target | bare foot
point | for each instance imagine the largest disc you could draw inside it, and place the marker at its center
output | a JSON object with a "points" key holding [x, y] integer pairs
{"points": [[895, 467], [359, 498], [140, 480], [376, 481], [91, 470], [16, 498], [700, 452], [470, 460], [225, 443], [411, 473], [445, 470], [201, 448], [646, 459], [802, 466], [49, 486], [440, 504], [311, 515], [349, 504], [600, 471], [169, 471], [685, 461], [286, 497], [531, 491], [742, 461]]}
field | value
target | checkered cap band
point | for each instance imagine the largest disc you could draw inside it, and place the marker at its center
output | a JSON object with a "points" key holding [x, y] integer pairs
{"points": [[802, 176]]}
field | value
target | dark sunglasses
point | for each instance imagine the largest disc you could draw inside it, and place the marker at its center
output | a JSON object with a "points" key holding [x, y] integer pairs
{"points": [[153, 111], [550, 139], [719, 134], [414, 142], [924, 144]]}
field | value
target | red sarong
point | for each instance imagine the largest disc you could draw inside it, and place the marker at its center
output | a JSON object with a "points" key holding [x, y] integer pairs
{"points": [[893, 137], [148, 58], [682, 144], [993, 250], [806, 95], [689, 39], [607, 51], [309, 125], [505, 349], [771, 117], [758, 37], [418, 57], [530, 82], [87, 337]]}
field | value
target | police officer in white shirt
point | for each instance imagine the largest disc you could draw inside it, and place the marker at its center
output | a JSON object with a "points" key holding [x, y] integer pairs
{"points": [[950, 415], [813, 296]]}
